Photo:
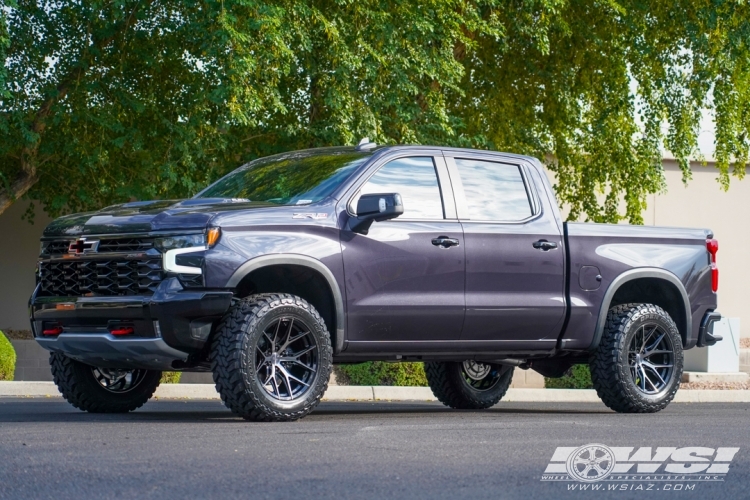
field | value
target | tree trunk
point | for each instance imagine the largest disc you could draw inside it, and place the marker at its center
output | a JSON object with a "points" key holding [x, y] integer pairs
{"points": [[22, 184]]}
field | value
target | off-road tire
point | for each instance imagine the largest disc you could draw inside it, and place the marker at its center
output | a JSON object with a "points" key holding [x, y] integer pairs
{"points": [[446, 380], [233, 369], [77, 384], [610, 371]]}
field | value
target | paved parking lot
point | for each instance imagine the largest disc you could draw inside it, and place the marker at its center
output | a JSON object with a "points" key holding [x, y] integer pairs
{"points": [[198, 449]]}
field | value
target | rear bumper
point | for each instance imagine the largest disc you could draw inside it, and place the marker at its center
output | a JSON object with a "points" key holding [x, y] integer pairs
{"points": [[170, 328], [706, 335]]}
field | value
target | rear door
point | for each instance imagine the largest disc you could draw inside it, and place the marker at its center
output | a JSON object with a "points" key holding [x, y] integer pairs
{"points": [[514, 255], [401, 286]]}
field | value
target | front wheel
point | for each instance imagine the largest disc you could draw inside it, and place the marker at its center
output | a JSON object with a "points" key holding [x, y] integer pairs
{"points": [[638, 365], [468, 385], [271, 358], [102, 390]]}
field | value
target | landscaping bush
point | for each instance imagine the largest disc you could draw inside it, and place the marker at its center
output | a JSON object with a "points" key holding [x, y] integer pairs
{"points": [[579, 377], [381, 373], [7, 358], [170, 377]]}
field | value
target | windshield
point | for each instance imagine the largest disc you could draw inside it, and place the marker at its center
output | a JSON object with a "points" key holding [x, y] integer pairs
{"points": [[292, 179]]}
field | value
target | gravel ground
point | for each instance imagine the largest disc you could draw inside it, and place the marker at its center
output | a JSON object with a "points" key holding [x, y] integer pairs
{"points": [[18, 334], [715, 385], [744, 344]]}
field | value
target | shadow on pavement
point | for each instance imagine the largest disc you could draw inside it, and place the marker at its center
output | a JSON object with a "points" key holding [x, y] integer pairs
{"points": [[194, 411]]}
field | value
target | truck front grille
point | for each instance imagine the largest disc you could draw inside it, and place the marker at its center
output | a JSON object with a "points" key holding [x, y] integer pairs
{"points": [[110, 245], [78, 278], [57, 247], [125, 245]]}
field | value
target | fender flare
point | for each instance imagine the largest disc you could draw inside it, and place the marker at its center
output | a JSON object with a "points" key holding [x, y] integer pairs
{"points": [[304, 261], [634, 274]]}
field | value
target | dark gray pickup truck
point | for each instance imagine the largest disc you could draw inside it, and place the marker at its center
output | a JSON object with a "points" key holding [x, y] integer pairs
{"points": [[295, 262]]}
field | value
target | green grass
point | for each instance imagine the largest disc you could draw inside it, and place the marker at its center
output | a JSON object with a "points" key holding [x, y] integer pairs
{"points": [[382, 373], [170, 377], [578, 378], [7, 358]]}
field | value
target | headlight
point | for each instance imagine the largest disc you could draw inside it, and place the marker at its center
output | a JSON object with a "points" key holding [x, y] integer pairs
{"points": [[172, 242], [175, 246]]}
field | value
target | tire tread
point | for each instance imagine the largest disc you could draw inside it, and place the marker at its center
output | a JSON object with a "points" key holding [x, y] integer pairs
{"points": [[67, 375], [228, 353], [610, 378], [443, 379]]}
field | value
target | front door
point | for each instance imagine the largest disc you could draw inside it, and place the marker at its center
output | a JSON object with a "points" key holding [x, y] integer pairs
{"points": [[514, 256], [401, 286]]}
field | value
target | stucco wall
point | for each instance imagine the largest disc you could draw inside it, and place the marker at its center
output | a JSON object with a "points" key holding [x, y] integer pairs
{"points": [[19, 248], [702, 203]]}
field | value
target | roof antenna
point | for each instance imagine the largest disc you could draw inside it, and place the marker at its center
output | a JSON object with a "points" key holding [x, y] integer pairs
{"points": [[365, 145]]}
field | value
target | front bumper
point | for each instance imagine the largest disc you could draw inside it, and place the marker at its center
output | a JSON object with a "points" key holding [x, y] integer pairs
{"points": [[170, 327]]}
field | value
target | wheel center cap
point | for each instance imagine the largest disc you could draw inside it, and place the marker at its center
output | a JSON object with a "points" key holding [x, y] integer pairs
{"points": [[275, 358]]}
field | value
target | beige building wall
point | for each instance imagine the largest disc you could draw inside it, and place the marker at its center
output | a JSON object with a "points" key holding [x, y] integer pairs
{"points": [[699, 204], [19, 249], [702, 203]]}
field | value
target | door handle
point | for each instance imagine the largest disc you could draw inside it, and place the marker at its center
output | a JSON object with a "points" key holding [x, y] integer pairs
{"points": [[544, 245], [444, 242]]}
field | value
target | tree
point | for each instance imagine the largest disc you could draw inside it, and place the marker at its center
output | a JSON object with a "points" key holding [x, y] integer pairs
{"points": [[107, 101]]}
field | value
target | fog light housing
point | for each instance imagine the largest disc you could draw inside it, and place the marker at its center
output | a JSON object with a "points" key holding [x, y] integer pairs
{"points": [[200, 329]]}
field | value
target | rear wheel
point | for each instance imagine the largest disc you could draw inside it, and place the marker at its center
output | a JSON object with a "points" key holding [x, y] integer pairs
{"points": [[468, 385], [638, 365], [102, 390]]}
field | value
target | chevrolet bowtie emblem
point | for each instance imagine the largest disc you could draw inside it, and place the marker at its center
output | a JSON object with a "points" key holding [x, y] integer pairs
{"points": [[83, 246]]}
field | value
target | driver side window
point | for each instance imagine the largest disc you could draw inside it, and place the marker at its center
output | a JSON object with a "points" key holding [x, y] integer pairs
{"points": [[415, 179]]}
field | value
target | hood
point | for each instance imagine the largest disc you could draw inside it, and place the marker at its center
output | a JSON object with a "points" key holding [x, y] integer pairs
{"points": [[147, 216]]}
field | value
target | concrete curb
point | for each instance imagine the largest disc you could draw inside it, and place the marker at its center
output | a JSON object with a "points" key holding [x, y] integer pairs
{"points": [[28, 389], [384, 393]]}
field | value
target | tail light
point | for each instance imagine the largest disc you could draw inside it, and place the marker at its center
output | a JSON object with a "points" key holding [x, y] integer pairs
{"points": [[53, 330], [124, 330], [712, 246]]}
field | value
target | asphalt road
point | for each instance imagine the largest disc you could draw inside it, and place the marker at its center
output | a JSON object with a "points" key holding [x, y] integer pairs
{"points": [[197, 449]]}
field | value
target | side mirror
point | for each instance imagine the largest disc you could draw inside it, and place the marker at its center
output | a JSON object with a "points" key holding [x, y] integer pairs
{"points": [[375, 208]]}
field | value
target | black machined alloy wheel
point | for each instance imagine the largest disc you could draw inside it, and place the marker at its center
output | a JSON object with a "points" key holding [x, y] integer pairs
{"points": [[480, 376], [286, 358], [468, 384], [638, 364], [271, 358], [102, 390], [118, 381], [651, 359]]}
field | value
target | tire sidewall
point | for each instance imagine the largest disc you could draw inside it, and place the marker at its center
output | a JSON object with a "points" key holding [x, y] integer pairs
{"points": [[631, 328], [255, 326]]}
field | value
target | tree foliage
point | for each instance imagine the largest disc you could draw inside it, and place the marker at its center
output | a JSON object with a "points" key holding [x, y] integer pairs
{"points": [[578, 377], [7, 358], [108, 101], [381, 373]]}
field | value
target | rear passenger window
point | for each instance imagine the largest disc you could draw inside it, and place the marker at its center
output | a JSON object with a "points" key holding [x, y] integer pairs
{"points": [[494, 191]]}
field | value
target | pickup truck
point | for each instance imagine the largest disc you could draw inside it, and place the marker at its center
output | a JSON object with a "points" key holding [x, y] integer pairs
{"points": [[292, 263]]}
